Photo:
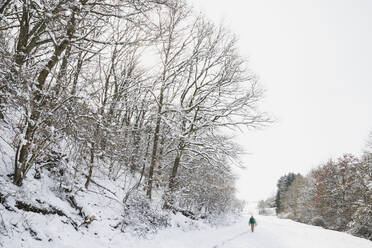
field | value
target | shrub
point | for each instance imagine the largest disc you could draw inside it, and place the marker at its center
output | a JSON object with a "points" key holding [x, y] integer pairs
{"points": [[318, 221], [141, 217]]}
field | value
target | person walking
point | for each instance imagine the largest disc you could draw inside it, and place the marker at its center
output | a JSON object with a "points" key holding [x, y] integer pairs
{"points": [[252, 222]]}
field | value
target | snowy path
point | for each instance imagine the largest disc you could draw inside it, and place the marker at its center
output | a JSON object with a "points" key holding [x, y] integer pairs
{"points": [[270, 233], [275, 233]]}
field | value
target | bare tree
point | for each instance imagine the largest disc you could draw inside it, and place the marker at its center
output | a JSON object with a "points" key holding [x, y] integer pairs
{"points": [[215, 92], [172, 45], [76, 83], [47, 34]]}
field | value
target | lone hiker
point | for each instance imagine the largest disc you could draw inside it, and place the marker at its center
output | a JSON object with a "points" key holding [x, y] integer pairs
{"points": [[252, 222]]}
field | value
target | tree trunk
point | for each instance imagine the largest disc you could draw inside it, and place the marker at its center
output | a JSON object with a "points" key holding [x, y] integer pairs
{"points": [[155, 144], [76, 74], [1, 108], [172, 178], [89, 177], [37, 102], [136, 146], [169, 195], [153, 157], [21, 165]]}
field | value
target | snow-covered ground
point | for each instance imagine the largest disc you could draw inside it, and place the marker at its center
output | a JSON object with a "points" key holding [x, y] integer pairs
{"points": [[271, 232], [54, 231]]}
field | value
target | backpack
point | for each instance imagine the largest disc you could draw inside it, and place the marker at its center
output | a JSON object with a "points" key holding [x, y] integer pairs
{"points": [[252, 221]]}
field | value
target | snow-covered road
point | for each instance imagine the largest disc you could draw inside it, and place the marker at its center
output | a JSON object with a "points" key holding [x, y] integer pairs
{"points": [[277, 233], [271, 232]]}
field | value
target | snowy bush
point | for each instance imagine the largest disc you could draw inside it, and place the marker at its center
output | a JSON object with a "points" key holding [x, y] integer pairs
{"points": [[318, 221], [362, 231], [362, 222], [55, 165], [141, 217]]}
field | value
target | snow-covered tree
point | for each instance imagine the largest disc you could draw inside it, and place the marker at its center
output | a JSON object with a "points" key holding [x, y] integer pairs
{"points": [[48, 37], [137, 92], [283, 185], [336, 195]]}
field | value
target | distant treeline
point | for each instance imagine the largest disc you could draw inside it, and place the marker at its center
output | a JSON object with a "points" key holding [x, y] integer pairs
{"points": [[336, 195]]}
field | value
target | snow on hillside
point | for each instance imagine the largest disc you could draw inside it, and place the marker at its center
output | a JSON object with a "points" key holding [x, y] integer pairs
{"points": [[40, 213], [60, 225]]}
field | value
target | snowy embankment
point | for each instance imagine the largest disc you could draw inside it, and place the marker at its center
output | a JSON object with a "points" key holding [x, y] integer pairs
{"points": [[35, 215], [51, 209]]}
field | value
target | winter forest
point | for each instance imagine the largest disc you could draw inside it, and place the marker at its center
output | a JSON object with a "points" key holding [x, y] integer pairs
{"points": [[123, 112], [136, 93]]}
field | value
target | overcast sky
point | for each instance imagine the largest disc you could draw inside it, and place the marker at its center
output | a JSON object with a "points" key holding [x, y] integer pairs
{"points": [[313, 57]]}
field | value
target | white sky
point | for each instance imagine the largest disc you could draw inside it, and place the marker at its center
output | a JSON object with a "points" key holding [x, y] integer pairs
{"points": [[314, 59]]}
